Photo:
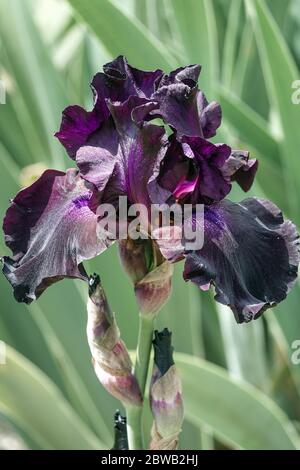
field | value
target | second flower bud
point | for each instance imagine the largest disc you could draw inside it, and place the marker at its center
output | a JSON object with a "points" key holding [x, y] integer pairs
{"points": [[111, 359]]}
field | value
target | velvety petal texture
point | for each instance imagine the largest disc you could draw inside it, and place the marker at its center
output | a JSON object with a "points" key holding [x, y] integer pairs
{"points": [[76, 127], [209, 159], [194, 171], [174, 97], [116, 83], [124, 155], [240, 168], [250, 254], [50, 227], [119, 81], [184, 107], [177, 175]]}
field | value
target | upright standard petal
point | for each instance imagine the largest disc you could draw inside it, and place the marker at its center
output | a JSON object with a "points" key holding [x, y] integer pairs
{"points": [[250, 254], [76, 127], [97, 158], [187, 75], [184, 107], [51, 227], [130, 153], [240, 168], [119, 81]]}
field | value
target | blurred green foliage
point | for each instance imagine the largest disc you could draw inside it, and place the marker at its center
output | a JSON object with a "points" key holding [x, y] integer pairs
{"points": [[241, 388]]}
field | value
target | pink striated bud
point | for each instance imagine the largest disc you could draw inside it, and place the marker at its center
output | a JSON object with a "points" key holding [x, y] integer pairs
{"points": [[165, 395], [136, 257], [150, 273], [111, 360], [154, 289]]}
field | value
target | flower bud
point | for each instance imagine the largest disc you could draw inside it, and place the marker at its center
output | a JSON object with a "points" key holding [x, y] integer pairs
{"points": [[150, 273], [165, 395], [136, 257], [111, 360], [154, 289], [120, 441]]}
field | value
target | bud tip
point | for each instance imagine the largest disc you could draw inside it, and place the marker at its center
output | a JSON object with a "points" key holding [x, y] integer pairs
{"points": [[163, 350], [94, 282]]}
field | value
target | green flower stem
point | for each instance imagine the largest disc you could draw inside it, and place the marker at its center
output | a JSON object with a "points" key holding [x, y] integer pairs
{"points": [[134, 413], [143, 351], [134, 431]]}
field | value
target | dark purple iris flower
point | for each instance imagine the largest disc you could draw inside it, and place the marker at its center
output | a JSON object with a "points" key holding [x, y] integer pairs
{"points": [[250, 253]]}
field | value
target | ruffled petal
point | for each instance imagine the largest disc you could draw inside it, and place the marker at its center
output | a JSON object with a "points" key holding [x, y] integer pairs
{"points": [[120, 81], [240, 168], [76, 127], [194, 171], [51, 227], [131, 154], [184, 107], [96, 159], [211, 183], [187, 75], [173, 175], [117, 83], [250, 254], [210, 115], [178, 108]]}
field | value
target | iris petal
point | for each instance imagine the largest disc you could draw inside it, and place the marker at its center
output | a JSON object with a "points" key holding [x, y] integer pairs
{"points": [[51, 227], [184, 107], [210, 158], [250, 254], [76, 127], [240, 168], [120, 81], [187, 75], [117, 83], [193, 169], [132, 155]]}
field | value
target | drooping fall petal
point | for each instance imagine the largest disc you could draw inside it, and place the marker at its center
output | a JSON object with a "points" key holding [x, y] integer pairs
{"points": [[51, 227], [250, 255]]}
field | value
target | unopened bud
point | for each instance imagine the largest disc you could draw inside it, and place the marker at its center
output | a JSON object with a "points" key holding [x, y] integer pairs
{"points": [[154, 289], [120, 441], [136, 257], [111, 359], [150, 273], [165, 395]]}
